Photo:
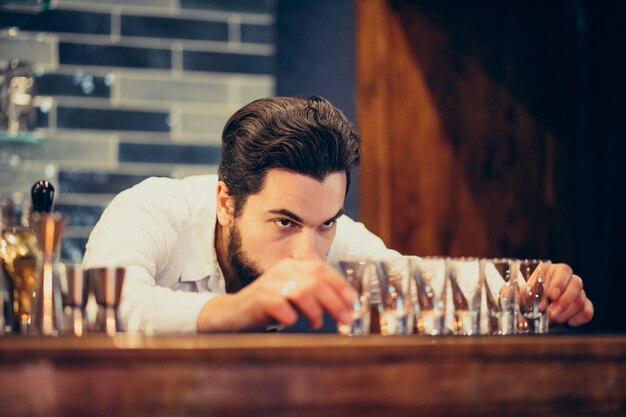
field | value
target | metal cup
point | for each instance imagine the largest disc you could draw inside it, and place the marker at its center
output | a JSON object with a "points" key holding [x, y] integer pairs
{"points": [[74, 293], [107, 286]]}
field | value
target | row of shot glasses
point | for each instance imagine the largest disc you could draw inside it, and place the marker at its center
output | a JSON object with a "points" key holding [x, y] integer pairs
{"points": [[447, 296]]}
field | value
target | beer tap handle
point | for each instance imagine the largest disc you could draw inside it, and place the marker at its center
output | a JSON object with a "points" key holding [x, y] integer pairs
{"points": [[42, 196]]}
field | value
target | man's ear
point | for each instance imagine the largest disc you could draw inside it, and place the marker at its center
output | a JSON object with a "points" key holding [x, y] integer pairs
{"points": [[225, 205]]}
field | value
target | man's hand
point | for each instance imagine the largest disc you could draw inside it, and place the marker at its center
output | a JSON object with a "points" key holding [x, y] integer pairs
{"points": [[291, 287], [569, 303]]}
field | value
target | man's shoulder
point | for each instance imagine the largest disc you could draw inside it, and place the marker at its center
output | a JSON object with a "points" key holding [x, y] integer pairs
{"points": [[156, 188], [169, 194], [175, 184], [353, 239]]}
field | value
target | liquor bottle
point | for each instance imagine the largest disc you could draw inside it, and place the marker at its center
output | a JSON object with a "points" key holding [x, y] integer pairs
{"points": [[18, 255], [48, 226]]}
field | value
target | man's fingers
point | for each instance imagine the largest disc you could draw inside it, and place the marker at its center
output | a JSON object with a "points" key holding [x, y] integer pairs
{"points": [[560, 276], [561, 313], [569, 300], [338, 283], [571, 292], [583, 316], [279, 309], [307, 287], [317, 296], [335, 304], [306, 303]]}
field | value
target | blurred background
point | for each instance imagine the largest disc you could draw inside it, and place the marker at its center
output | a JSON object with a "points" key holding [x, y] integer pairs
{"points": [[489, 128]]}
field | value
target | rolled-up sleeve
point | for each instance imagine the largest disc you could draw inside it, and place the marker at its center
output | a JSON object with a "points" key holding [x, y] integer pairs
{"points": [[149, 308], [147, 243]]}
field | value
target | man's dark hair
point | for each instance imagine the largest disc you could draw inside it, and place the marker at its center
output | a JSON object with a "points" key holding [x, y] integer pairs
{"points": [[303, 135]]}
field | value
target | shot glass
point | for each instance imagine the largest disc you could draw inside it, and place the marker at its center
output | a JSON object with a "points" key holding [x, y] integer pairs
{"points": [[357, 273], [500, 288], [466, 295], [533, 280], [430, 278], [395, 298]]}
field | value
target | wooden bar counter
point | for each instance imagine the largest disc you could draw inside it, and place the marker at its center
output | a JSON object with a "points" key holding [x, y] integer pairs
{"points": [[313, 375]]}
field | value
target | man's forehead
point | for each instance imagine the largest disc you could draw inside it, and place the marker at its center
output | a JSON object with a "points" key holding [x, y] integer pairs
{"points": [[281, 179], [301, 195]]}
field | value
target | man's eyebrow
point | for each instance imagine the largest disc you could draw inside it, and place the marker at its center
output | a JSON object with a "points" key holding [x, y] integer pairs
{"points": [[287, 213], [336, 216], [298, 219]]}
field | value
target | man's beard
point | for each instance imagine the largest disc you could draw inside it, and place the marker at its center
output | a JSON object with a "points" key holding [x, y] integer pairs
{"points": [[244, 270]]}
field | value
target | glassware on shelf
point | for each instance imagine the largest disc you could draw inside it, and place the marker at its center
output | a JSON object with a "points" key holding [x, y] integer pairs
{"points": [[17, 112]]}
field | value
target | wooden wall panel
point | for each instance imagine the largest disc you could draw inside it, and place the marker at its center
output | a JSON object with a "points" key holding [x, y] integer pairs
{"points": [[454, 161], [372, 53]]}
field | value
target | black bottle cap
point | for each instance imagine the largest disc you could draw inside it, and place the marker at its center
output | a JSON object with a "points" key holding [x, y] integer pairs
{"points": [[42, 196]]}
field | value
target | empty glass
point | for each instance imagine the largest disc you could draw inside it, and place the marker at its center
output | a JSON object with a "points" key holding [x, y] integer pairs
{"points": [[465, 292], [430, 277], [533, 281], [355, 271], [395, 299], [500, 296]]}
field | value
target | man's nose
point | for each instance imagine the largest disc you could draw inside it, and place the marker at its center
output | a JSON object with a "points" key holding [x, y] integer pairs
{"points": [[305, 246]]}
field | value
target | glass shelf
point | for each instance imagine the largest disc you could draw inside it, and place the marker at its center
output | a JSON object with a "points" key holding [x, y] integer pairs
{"points": [[33, 6], [20, 137]]}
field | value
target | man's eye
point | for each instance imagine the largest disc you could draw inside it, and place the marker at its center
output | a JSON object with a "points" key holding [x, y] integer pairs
{"points": [[328, 225], [283, 223]]}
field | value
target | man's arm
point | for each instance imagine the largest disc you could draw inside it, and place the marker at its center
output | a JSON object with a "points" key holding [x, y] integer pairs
{"points": [[291, 287], [137, 238]]}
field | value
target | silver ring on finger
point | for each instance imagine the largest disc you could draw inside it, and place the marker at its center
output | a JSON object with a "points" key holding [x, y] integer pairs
{"points": [[288, 288]]}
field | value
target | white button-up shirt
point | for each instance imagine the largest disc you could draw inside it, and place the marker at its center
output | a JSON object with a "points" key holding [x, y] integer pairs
{"points": [[163, 231]]}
